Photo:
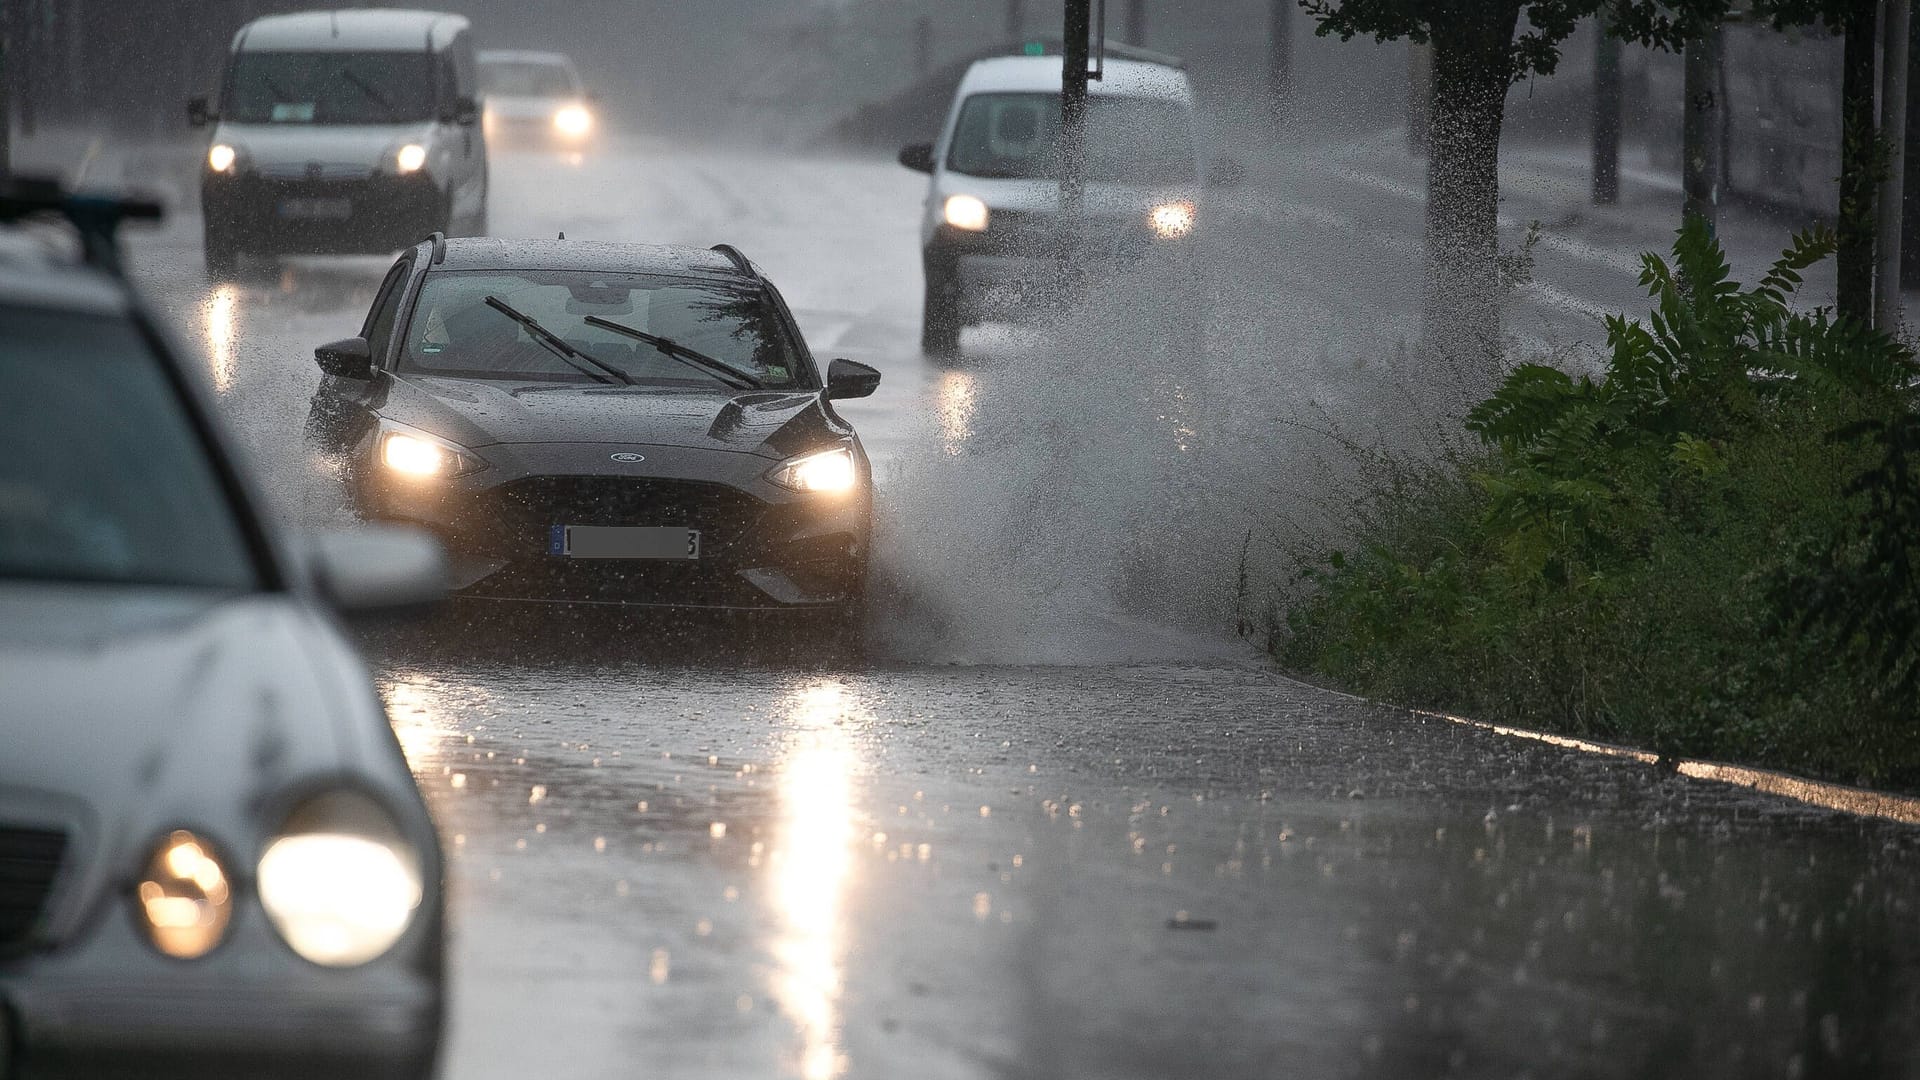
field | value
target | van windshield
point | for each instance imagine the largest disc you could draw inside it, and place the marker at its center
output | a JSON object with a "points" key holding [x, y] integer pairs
{"points": [[330, 88], [1129, 140], [526, 78]]}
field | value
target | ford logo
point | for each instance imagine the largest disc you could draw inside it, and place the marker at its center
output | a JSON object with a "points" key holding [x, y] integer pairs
{"points": [[629, 457]]}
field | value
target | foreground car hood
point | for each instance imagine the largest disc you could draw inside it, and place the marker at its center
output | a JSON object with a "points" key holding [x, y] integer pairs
{"points": [[480, 413], [129, 712]]}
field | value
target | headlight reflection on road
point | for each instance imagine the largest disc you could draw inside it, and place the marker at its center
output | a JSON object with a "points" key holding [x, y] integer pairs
{"points": [[959, 397], [810, 867], [222, 318]]}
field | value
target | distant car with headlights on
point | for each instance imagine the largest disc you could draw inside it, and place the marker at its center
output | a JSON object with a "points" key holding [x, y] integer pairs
{"points": [[605, 424], [341, 132], [993, 237], [535, 101], [214, 862]]}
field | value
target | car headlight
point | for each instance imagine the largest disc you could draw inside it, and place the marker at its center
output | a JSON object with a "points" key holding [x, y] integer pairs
{"points": [[338, 882], [221, 157], [410, 158], [1172, 220], [573, 121], [967, 213], [829, 471], [422, 456], [185, 897]]}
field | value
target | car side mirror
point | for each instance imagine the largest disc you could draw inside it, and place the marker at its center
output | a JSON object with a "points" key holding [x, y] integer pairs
{"points": [[374, 568], [349, 358], [918, 157], [199, 113], [466, 111], [850, 379]]}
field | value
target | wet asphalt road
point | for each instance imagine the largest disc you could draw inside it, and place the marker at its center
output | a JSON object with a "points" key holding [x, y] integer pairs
{"points": [[1064, 844]]}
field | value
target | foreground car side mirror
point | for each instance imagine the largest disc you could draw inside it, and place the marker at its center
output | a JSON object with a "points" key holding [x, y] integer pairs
{"points": [[918, 157], [199, 114], [376, 568], [349, 358], [850, 379]]}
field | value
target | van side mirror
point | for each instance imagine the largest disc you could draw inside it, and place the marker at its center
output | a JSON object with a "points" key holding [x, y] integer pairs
{"points": [[348, 358], [850, 379], [918, 157], [199, 114], [466, 112]]}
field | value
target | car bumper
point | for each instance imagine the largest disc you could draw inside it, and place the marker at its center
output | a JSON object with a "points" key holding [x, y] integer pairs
{"points": [[326, 1027], [761, 547], [373, 214], [535, 134], [1012, 276]]}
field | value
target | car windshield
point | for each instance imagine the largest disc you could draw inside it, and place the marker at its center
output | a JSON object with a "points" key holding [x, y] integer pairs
{"points": [[330, 88], [455, 331], [104, 478], [526, 78], [1129, 140]]}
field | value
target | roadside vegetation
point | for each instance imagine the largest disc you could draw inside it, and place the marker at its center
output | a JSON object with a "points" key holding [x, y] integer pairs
{"points": [[1711, 550]]}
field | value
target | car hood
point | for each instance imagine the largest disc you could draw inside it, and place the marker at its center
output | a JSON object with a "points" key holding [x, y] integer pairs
{"points": [[480, 413], [129, 712], [336, 148]]}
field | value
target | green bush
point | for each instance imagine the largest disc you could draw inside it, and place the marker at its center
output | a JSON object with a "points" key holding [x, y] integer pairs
{"points": [[1711, 550]]}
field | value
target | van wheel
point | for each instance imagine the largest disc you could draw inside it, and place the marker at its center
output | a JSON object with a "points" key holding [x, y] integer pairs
{"points": [[940, 319]]}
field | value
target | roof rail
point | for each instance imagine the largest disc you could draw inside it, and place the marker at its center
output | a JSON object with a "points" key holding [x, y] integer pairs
{"points": [[740, 262], [439, 241], [96, 218]]}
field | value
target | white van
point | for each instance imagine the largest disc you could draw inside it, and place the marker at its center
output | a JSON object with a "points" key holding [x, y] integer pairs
{"points": [[342, 131], [992, 236]]}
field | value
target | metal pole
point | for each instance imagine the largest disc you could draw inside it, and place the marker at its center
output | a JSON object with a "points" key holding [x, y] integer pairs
{"points": [[1280, 60], [1137, 22], [1889, 309], [1700, 130], [1016, 19], [6, 86], [1419, 97], [1606, 118], [923, 45], [1074, 57]]}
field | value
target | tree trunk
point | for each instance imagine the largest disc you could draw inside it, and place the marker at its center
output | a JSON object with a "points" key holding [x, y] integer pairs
{"points": [[1606, 117], [1860, 162], [1472, 71]]}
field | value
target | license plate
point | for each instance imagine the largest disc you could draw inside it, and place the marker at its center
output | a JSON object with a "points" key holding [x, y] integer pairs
{"points": [[623, 542], [316, 208]]}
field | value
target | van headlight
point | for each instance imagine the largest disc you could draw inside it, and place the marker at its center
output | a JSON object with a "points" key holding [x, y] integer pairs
{"points": [[1172, 220], [221, 157], [830, 472], [338, 882], [967, 213], [410, 158], [185, 897]]}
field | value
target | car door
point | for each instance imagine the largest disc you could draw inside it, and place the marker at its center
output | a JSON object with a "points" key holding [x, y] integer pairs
{"points": [[343, 408]]}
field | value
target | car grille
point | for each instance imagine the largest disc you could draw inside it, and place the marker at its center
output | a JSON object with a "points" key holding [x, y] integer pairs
{"points": [[29, 863]]}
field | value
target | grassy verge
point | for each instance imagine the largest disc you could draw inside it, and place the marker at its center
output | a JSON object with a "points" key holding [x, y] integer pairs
{"points": [[1713, 550]]}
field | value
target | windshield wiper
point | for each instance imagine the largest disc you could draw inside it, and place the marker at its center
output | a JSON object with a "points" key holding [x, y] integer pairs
{"points": [[373, 95], [694, 358], [559, 345]]}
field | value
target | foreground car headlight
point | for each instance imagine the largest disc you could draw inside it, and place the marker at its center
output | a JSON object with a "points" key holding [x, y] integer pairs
{"points": [[185, 897], [967, 213], [419, 455], [339, 883], [573, 121], [1172, 220], [221, 157], [410, 158], [830, 472]]}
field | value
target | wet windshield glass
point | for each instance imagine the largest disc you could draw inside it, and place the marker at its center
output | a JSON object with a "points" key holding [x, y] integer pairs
{"points": [[1129, 140], [455, 332], [104, 478], [330, 88], [522, 78]]}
